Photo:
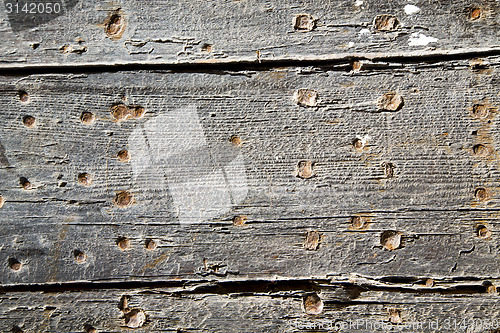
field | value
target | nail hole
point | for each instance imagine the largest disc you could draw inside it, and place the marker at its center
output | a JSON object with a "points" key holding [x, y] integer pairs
{"points": [[236, 140], [80, 257], [123, 243], [429, 283], [395, 316], [135, 318], [239, 220], [483, 232], [151, 245], [475, 13], [63, 184], [358, 144], [16, 329], [123, 156], [123, 304], [124, 199], [305, 97], [15, 265], [473, 133], [391, 101], [25, 183], [206, 48], [312, 304], [85, 179], [304, 22], [480, 111], [122, 112], [481, 150], [23, 96], [115, 26], [312, 240], [305, 169], [90, 329], [481, 194], [358, 222], [29, 121], [386, 22], [388, 169], [87, 118], [390, 240]]}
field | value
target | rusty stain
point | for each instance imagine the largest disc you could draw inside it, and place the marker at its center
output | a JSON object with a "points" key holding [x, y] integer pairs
{"points": [[155, 262], [236, 140], [239, 220], [480, 66], [475, 13]]}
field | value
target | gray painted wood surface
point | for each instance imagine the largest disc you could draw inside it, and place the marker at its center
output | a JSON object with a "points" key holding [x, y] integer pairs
{"points": [[339, 176]]}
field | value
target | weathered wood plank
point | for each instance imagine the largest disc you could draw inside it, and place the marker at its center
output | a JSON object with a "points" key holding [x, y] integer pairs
{"points": [[90, 32], [356, 306], [212, 146]]}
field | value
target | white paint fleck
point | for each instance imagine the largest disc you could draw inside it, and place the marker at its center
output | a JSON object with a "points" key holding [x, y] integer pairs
{"points": [[351, 44], [411, 9], [418, 39], [358, 3], [364, 31]]}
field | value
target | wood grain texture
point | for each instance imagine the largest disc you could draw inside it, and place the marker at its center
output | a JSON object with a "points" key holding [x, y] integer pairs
{"points": [[349, 305], [417, 174], [171, 32]]}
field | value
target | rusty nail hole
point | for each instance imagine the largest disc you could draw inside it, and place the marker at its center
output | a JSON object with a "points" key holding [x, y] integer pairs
{"points": [[115, 26], [305, 97], [304, 22], [390, 239], [480, 111], [481, 150], [123, 243], [312, 240], [357, 66], [388, 169], [120, 111], [206, 48], [236, 140], [358, 143], [312, 304], [124, 199], [123, 156], [87, 118], [481, 194], [137, 111], [2, 201], [305, 169], [85, 179], [429, 283], [395, 316], [475, 13], [80, 257], [25, 183], [483, 232], [23, 96], [386, 22], [90, 329], [151, 244], [14, 264], [491, 288], [391, 101], [29, 121], [239, 220], [135, 318], [358, 222]]}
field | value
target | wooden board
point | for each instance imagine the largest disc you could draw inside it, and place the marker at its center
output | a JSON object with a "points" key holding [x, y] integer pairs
{"points": [[192, 32], [249, 166]]}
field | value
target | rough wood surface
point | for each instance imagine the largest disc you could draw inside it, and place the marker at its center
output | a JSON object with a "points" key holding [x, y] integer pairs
{"points": [[417, 176], [250, 166], [234, 31]]}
